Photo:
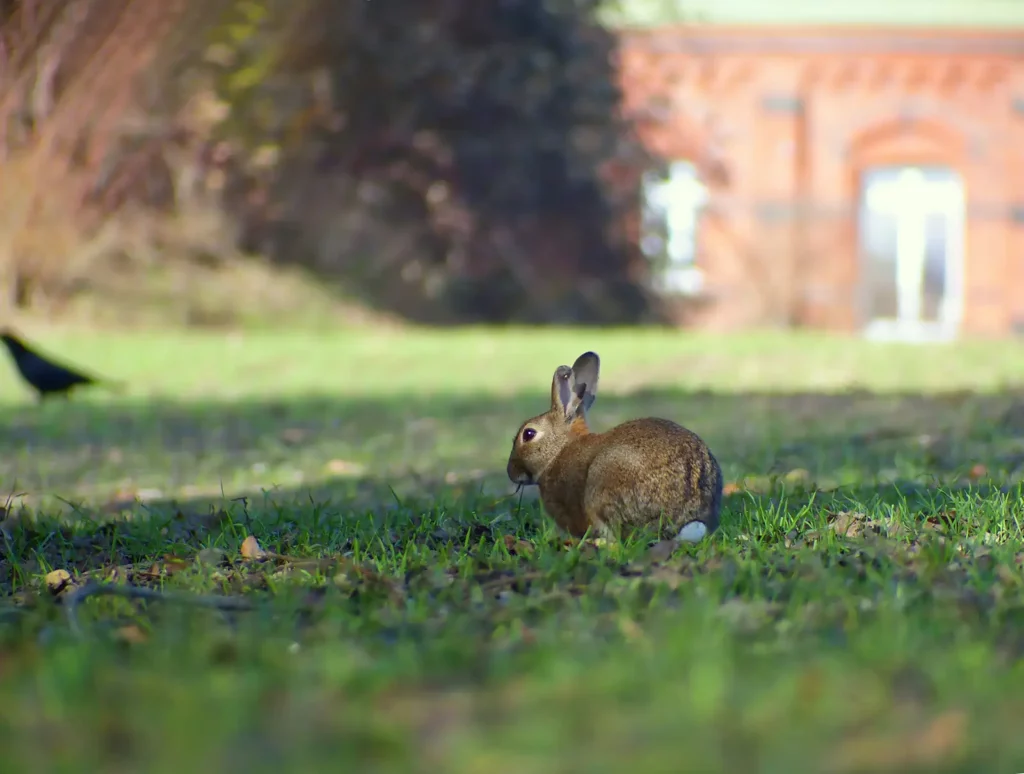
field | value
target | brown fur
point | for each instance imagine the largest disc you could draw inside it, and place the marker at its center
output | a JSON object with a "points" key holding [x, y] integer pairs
{"points": [[645, 473]]}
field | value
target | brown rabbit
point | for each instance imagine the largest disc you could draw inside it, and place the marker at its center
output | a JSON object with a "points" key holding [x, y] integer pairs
{"points": [[643, 473]]}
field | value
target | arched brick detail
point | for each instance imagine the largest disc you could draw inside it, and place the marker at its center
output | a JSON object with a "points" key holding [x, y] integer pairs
{"points": [[907, 141]]}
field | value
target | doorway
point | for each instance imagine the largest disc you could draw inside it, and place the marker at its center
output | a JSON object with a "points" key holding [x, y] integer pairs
{"points": [[911, 234]]}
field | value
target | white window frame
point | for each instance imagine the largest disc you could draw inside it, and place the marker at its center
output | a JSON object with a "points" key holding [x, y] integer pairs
{"points": [[910, 199], [673, 201]]}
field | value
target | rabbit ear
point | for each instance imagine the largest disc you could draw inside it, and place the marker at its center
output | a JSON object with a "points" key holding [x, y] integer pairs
{"points": [[573, 390], [585, 372], [562, 395]]}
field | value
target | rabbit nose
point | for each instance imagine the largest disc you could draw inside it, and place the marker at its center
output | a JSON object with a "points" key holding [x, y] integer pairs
{"points": [[518, 476]]}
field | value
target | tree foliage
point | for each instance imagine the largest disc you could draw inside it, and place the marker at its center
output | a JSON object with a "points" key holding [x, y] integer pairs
{"points": [[447, 159]]}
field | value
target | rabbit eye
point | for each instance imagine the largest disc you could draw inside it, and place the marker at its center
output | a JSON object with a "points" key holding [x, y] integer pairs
{"points": [[529, 434]]}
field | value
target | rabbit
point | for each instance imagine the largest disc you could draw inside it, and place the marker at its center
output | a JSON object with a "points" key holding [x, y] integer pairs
{"points": [[642, 473]]}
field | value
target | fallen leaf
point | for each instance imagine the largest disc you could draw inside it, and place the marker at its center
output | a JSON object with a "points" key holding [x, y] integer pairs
{"points": [[731, 488], [172, 564], [896, 529], [345, 468], [585, 547], [977, 471], [518, 546], [848, 523], [939, 519], [57, 580], [928, 746], [251, 549], [797, 476], [668, 575], [131, 634]]}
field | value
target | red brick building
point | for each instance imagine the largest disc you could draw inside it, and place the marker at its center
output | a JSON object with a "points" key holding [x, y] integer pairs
{"points": [[854, 179]]}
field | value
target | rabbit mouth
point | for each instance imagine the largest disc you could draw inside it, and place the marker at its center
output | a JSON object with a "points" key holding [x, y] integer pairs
{"points": [[521, 478], [518, 474]]}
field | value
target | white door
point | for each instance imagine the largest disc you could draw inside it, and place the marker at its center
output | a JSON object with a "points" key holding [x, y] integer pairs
{"points": [[912, 252], [672, 202]]}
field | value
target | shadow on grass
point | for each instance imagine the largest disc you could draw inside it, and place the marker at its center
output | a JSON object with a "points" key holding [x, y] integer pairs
{"points": [[370, 454], [93, 449]]}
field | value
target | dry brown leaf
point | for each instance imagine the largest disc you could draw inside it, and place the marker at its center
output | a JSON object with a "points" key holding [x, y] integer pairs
{"points": [[926, 747], [940, 519], [172, 564], [168, 565], [731, 488], [977, 471], [848, 523], [667, 575], [896, 529], [586, 547], [131, 634], [345, 468], [57, 580], [251, 549], [518, 546]]}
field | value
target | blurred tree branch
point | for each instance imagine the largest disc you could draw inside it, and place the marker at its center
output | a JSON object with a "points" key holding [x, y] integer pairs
{"points": [[446, 158]]}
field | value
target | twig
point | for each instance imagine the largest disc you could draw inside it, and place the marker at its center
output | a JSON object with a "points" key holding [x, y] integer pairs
{"points": [[93, 589]]}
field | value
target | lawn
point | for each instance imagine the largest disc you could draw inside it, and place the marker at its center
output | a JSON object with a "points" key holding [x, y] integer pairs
{"points": [[861, 608]]}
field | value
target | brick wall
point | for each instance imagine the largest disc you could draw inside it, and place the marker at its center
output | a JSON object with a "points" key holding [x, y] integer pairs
{"points": [[782, 124]]}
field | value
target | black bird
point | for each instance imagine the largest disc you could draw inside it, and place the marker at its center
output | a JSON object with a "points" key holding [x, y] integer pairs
{"points": [[45, 376]]}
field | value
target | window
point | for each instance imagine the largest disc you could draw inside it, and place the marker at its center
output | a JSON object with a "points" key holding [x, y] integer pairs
{"points": [[673, 199], [912, 242]]}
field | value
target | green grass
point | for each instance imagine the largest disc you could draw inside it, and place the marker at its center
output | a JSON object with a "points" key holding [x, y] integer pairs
{"points": [[861, 609]]}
